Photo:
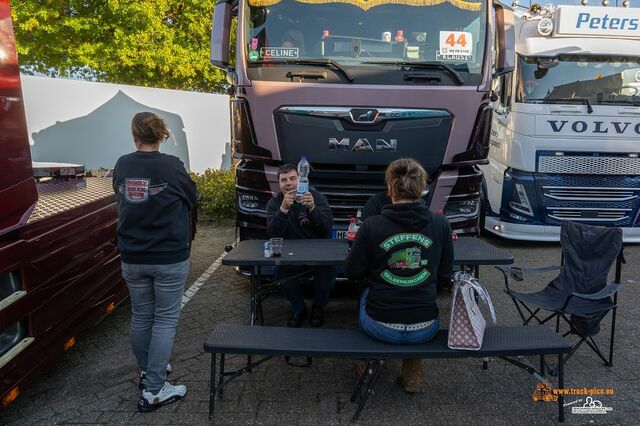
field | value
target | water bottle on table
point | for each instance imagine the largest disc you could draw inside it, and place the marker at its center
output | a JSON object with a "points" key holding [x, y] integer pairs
{"points": [[303, 176], [359, 218], [352, 231]]}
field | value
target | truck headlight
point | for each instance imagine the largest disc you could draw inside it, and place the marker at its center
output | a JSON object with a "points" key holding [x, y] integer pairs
{"points": [[248, 201], [545, 27], [462, 208], [522, 205]]}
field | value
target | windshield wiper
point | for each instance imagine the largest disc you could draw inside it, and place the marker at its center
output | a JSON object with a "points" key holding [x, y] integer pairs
{"points": [[330, 63], [583, 101], [429, 65]]}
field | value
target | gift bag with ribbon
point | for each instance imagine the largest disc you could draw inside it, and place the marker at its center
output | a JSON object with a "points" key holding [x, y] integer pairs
{"points": [[466, 326]]}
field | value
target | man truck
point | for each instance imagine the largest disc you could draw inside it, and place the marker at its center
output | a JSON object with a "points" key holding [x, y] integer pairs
{"points": [[353, 85]]}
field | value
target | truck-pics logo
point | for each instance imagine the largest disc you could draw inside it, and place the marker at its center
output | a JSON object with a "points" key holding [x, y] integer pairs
{"points": [[594, 127], [363, 145]]}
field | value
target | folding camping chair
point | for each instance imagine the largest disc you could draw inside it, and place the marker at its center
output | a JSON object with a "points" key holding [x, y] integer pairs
{"points": [[579, 294]]}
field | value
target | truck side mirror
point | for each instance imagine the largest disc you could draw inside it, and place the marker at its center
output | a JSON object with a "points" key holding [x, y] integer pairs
{"points": [[220, 35], [505, 38]]}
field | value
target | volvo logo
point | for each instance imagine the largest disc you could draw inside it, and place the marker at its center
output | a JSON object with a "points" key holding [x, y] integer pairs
{"points": [[363, 116], [595, 127], [363, 145]]}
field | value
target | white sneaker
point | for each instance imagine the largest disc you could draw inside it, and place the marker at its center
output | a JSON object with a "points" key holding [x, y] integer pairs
{"points": [[167, 395], [143, 377]]}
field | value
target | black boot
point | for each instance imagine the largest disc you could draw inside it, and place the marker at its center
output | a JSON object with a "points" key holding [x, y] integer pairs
{"points": [[317, 316], [295, 320]]}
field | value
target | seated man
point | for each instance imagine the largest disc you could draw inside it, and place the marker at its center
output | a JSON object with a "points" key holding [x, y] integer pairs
{"points": [[307, 217]]}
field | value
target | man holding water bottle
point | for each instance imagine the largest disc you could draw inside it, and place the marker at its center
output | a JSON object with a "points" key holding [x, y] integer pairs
{"points": [[293, 215]]}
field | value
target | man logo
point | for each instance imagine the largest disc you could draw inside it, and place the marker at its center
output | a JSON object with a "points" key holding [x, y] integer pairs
{"points": [[363, 145], [364, 116]]}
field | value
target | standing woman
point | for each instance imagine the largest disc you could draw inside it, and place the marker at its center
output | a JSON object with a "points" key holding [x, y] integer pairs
{"points": [[155, 196], [404, 253]]}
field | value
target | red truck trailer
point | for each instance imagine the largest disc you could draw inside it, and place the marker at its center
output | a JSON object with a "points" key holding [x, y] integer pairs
{"points": [[59, 262]]}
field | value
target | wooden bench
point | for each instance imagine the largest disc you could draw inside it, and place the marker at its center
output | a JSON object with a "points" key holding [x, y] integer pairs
{"points": [[502, 342]]}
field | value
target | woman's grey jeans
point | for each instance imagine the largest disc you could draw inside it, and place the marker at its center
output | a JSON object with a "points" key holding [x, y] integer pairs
{"points": [[156, 299]]}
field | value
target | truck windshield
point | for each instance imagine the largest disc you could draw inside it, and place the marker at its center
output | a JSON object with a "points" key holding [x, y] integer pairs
{"points": [[364, 33], [594, 80]]}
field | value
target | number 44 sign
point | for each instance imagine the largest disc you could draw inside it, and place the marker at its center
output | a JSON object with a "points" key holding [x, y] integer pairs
{"points": [[458, 43]]}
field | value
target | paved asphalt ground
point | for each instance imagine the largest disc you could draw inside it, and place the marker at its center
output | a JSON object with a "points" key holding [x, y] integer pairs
{"points": [[96, 381]]}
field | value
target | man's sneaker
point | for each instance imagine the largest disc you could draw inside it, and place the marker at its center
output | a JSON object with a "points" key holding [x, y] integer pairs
{"points": [[143, 377], [151, 401]]}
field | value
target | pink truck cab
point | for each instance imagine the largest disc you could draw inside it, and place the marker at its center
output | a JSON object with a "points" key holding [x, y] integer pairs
{"points": [[353, 85]]}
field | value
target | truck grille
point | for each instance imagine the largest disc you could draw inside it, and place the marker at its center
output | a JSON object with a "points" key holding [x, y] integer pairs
{"points": [[567, 193], [595, 199], [344, 196], [584, 164], [586, 214]]}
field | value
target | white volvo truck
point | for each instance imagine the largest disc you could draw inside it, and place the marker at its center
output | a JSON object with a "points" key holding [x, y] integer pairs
{"points": [[565, 134]]}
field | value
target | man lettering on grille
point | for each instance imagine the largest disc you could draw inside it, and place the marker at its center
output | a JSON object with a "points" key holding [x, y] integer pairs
{"points": [[309, 216]]}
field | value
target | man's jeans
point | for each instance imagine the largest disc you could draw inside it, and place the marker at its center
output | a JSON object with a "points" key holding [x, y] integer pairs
{"points": [[156, 299], [389, 335], [324, 278]]}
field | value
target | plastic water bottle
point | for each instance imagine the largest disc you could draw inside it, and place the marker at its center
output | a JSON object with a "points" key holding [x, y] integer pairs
{"points": [[352, 231], [359, 218], [303, 176]]}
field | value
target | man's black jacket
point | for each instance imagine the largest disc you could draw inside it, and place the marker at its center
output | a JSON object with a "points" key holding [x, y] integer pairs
{"points": [[299, 222]]}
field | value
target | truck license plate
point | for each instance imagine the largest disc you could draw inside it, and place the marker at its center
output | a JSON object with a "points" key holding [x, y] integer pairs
{"points": [[339, 235]]}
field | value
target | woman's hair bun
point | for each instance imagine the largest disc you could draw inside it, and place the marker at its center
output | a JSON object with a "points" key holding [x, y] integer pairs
{"points": [[148, 128]]}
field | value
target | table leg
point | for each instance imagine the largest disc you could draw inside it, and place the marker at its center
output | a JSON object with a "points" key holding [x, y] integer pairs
{"points": [[212, 385], [221, 376], [255, 282], [255, 276]]}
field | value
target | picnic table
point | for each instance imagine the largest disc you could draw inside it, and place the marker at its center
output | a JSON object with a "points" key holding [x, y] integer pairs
{"points": [[468, 252]]}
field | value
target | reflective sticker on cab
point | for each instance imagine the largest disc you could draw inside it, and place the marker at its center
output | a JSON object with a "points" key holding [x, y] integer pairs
{"points": [[279, 52], [455, 46]]}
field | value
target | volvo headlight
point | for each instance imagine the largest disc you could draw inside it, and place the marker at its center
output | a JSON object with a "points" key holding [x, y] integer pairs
{"points": [[545, 27], [522, 205]]}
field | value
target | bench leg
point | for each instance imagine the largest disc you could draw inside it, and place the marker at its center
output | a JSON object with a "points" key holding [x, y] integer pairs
{"points": [[212, 386], [560, 386], [369, 389]]}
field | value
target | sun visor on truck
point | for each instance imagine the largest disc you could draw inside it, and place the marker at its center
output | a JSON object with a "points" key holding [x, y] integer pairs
{"points": [[368, 4]]}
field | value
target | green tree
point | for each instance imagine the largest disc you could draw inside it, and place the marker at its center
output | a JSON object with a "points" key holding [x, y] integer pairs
{"points": [[158, 43]]}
